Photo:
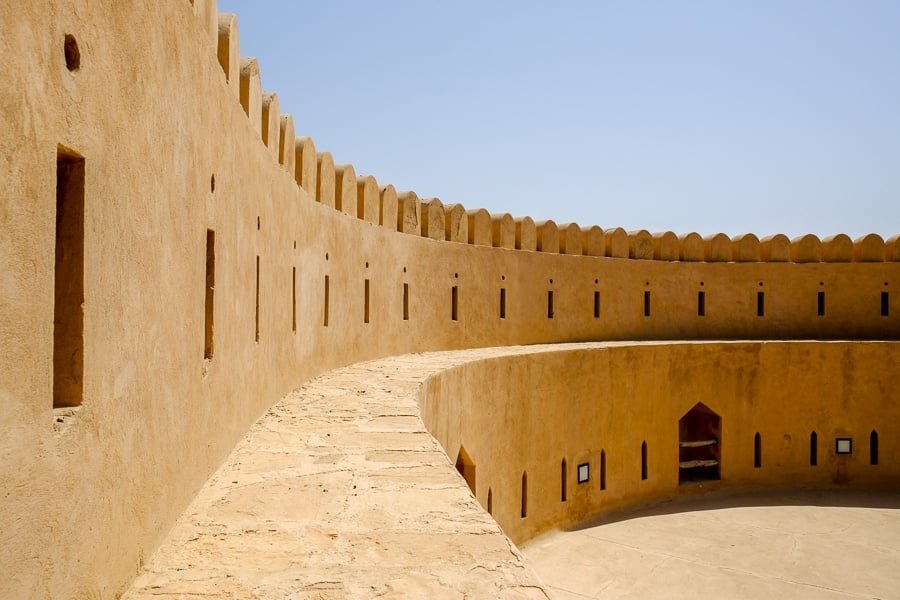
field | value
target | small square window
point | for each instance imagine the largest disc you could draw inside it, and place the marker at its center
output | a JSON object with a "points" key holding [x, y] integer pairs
{"points": [[843, 446], [584, 472]]}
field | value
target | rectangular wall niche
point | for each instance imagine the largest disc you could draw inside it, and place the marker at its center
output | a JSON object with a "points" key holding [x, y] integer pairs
{"points": [[68, 295], [584, 472], [366, 301], [326, 300], [209, 317], [294, 299], [843, 445], [406, 302], [454, 303], [256, 304]]}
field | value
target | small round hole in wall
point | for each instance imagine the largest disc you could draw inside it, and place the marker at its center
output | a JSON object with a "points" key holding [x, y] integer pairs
{"points": [[212, 182], [596, 281], [456, 275], [646, 283], [503, 278], [885, 283], [760, 283], [821, 283], [73, 54], [404, 269], [551, 281], [701, 284]]}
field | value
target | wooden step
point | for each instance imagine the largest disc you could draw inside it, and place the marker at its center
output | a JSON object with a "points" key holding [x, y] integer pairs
{"points": [[698, 443], [697, 464]]}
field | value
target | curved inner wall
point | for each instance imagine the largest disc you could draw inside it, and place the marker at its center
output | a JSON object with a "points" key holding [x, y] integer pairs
{"points": [[527, 422]]}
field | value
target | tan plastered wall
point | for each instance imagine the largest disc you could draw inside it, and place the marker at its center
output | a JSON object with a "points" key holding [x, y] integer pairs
{"points": [[520, 414], [88, 493]]}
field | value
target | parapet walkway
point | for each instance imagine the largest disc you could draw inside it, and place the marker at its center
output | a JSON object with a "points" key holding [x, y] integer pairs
{"points": [[339, 491]]}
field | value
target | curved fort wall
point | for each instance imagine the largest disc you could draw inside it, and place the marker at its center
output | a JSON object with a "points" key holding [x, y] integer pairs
{"points": [[519, 439], [179, 259]]}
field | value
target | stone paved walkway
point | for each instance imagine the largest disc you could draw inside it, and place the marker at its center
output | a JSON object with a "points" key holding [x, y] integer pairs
{"points": [[338, 491]]}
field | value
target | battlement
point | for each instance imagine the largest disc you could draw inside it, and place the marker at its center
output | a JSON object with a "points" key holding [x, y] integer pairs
{"points": [[338, 187]]}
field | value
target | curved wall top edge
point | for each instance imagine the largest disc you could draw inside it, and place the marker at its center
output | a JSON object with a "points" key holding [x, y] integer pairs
{"points": [[338, 187], [779, 408]]}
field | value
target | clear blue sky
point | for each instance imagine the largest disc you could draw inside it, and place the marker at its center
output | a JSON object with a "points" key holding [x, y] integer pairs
{"points": [[708, 116]]}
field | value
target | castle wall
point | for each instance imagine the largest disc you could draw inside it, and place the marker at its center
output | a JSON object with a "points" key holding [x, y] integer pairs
{"points": [[170, 155], [573, 405]]}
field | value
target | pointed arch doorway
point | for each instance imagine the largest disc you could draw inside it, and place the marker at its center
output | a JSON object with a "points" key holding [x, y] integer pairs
{"points": [[466, 467], [699, 445]]}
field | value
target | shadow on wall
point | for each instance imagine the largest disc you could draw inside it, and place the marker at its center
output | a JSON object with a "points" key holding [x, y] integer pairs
{"points": [[833, 496]]}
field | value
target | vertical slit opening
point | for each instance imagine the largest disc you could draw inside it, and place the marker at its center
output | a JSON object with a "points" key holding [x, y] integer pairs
{"points": [[596, 304], [757, 451], [813, 449], [68, 297], [406, 302], [326, 300], [562, 481], [550, 304], [701, 304], [820, 299], [454, 303], [502, 303], [873, 448], [524, 508], [209, 304], [644, 460], [885, 304], [294, 299], [602, 470], [646, 303], [366, 310], [490, 502], [71, 52], [760, 304], [256, 336]]}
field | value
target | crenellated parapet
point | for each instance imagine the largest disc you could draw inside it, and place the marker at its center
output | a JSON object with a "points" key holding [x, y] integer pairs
{"points": [[338, 187]]}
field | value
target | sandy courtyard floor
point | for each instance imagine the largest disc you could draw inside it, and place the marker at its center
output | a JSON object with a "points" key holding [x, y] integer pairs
{"points": [[811, 544]]}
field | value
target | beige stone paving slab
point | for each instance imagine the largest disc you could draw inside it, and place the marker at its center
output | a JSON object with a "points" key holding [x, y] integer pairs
{"points": [[811, 544], [338, 491]]}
